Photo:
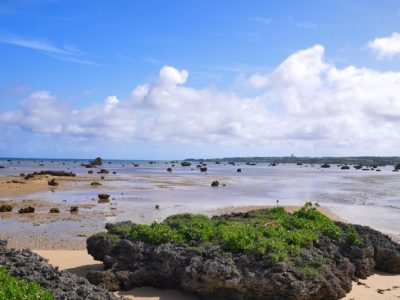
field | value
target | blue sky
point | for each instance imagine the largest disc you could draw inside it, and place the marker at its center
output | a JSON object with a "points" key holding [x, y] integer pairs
{"points": [[72, 56]]}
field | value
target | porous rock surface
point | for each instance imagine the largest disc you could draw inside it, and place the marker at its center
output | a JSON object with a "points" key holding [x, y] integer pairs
{"points": [[24, 264], [324, 271]]}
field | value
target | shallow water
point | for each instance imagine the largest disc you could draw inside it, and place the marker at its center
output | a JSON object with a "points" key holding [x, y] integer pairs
{"points": [[365, 197]]}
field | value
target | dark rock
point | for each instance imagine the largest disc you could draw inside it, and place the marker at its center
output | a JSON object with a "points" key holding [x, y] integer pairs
{"points": [[215, 183], [239, 170], [90, 172], [54, 210], [95, 183], [26, 210], [51, 173], [24, 264], [157, 206], [345, 168], [103, 171], [324, 270], [52, 182], [325, 166], [97, 162], [74, 209], [169, 170], [203, 169], [6, 208], [185, 164], [103, 196]]}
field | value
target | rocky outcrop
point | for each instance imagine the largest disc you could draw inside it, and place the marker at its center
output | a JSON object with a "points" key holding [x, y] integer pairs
{"points": [[51, 173], [26, 210], [323, 271], [52, 182], [24, 264], [97, 161], [6, 208]]}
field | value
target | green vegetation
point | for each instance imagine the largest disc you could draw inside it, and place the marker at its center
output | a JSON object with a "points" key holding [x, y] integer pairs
{"points": [[313, 268], [273, 232], [13, 289], [352, 237]]}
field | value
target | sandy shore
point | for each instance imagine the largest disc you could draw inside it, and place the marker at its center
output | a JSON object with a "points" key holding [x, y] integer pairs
{"points": [[378, 286], [79, 263]]}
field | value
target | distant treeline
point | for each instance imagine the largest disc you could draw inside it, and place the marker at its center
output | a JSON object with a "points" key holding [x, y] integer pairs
{"points": [[354, 160]]}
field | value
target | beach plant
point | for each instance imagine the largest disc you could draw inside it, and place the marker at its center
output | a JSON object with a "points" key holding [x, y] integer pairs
{"points": [[352, 237], [272, 232], [12, 288]]}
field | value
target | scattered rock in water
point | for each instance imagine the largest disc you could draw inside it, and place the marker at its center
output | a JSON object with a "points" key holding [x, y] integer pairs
{"points": [[215, 183], [157, 206], [95, 183], [90, 172], [102, 177], [52, 182], [26, 210], [103, 171], [74, 209], [345, 168], [239, 170], [97, 162], [103, 196], [6, 208], [185, 164], [169, 170], [54, 210], [249, 163], [203, 169], [325, 166], [114, 172]]}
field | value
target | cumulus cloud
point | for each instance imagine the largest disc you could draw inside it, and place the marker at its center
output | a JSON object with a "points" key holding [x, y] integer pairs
{"points": [[306, 101], [386, 47]]}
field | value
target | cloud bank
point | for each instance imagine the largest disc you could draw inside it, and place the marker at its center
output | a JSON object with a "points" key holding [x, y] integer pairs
{"points": [[305, 102], [386, 47]]}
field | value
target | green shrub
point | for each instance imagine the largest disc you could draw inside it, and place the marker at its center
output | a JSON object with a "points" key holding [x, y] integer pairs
{"points": [[13, 289], [352, 237], [272, 231]]}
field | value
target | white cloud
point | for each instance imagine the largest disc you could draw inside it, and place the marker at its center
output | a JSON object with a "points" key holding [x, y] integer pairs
{"points": [[386, 47], [306, 102]]}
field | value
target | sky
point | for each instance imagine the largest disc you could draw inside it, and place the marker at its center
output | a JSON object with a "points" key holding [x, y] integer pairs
{"points": [[150, 79]]}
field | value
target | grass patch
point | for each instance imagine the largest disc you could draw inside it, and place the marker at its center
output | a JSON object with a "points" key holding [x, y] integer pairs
{"points": [[12, 288], [352, 237], [314, 268], [272, 232]]}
